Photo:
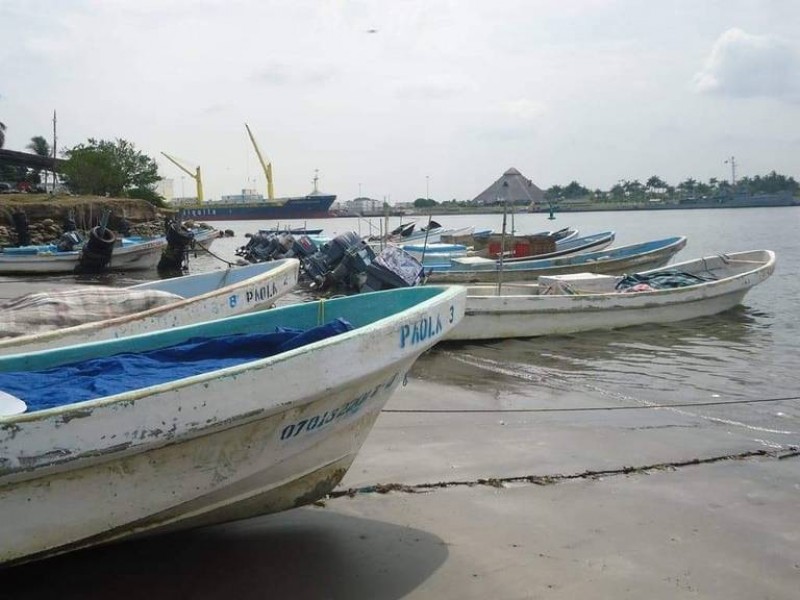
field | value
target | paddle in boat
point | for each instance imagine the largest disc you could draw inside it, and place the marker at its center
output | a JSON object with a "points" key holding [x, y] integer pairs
{"points": [[92, 313], [201, 424], [586, 301], [647, 255]]}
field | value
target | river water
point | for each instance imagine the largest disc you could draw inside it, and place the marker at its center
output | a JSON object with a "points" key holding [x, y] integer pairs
{"points": [[750, 355]]}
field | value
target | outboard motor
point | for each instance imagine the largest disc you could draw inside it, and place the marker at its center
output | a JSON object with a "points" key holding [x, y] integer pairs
{"points": [[69, 241], [340, 262], [393, 268], [96, 252], [179, 242], [20, 220], [265, 246], [303, 247]]}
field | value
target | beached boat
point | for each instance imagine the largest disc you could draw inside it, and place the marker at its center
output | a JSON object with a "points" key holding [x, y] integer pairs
{"points": [[615, 261], [220, 421], [92, 313], [584, 302]]}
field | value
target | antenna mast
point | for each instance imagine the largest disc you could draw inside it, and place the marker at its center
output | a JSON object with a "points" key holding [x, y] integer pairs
{"points": [[54, 152], [732, 161]]}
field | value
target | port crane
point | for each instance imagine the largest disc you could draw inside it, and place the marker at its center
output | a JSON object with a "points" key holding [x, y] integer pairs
{"points": [[196, 175], [267, 166]]}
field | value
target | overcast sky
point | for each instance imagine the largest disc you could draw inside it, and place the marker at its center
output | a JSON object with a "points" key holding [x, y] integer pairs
{"points": [[391, 97]]}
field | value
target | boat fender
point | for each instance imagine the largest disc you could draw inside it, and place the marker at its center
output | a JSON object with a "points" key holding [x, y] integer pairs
{"points": [[96, 252]]}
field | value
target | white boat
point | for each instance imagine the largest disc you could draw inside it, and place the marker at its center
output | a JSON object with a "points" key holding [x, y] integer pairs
{"points": [[132, 255], [437, 253], [647, 255], [588, 301], [92, 313], [186, 443]]}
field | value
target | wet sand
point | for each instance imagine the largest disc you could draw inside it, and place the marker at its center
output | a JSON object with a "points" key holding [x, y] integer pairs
{"points": [[586, 504]]}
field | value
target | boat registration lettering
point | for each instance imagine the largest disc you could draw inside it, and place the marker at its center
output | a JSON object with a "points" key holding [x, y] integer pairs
{"points": [[329, 416], [260, 294], [419, 331]]}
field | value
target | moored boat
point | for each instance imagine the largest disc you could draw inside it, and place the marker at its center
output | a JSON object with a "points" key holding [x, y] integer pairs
{"points": [[192, 440], [646, 255], [131, 255], [93, 313], [585, 302]]}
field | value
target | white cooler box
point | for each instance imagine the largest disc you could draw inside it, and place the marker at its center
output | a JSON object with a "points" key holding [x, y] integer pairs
{"points": [[577, 283]]}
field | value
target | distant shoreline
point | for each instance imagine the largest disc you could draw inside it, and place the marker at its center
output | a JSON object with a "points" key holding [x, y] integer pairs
{"points": [[572, 209]]}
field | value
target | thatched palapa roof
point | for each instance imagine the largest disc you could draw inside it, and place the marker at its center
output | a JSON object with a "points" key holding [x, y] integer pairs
{"points": [[518, 190]]}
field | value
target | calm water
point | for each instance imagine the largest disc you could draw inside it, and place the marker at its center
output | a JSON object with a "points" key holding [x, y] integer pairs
{"points": [[750, 353]]}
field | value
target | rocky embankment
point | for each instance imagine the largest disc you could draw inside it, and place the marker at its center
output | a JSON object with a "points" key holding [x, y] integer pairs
{"points": [[46, 216]]}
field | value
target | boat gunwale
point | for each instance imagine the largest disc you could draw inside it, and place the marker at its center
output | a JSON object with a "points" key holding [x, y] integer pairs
{"points": [[443, 295], [285, 268], [767, 265]]}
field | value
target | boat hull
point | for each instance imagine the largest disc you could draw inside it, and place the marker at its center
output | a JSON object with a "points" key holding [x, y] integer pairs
{"points": [[233, 473], [246, 440], [306, 207], [611, 262], [140, 256], [520, 313], [268, 283]]}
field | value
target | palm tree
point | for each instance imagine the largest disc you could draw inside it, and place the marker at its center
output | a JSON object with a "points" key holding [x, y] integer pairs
{"points": [[2, 134], [40, 147]]}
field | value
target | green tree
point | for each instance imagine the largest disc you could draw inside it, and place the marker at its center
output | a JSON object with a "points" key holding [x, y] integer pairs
{"points": [[39, 146], [109, 168], [2, 134], [554, 193], [424, 203], [575, 190]]}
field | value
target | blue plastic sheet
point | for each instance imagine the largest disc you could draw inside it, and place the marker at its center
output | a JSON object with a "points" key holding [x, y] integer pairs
{"points": [[99, 377]]}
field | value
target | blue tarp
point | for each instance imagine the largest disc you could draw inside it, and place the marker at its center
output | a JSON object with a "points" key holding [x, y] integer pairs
{"points": [[99, 377]]}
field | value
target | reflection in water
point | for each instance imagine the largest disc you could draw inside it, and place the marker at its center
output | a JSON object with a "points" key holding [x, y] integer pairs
{"points": [[733, 353]]}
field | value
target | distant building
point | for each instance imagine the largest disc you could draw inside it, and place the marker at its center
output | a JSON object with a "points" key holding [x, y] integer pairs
{"points": [[363, 206], [247, 196], [513, 188], [165, 189]]}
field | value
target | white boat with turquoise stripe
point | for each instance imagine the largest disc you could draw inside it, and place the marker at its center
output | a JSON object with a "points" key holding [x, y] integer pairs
{"points": [[201, 424], [91, 313]]}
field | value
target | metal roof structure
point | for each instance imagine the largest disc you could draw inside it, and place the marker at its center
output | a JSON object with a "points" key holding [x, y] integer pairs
{"points": [[25, 159], [511, 187]]}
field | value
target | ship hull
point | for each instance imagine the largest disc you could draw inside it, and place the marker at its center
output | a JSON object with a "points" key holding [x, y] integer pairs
{"points": [[306, 207]]}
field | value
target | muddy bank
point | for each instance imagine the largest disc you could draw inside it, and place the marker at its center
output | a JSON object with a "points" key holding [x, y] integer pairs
{"points": [[46, 215]]}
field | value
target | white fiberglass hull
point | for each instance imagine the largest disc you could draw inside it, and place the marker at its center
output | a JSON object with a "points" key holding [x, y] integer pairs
{"points": [[520, 312]]}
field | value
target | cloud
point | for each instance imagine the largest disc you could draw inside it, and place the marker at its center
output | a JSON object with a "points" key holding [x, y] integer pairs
{"points": [[742, 65]]}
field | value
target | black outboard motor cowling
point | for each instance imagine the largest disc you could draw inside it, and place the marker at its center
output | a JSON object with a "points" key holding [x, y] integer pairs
{"points": [[69, 241], [392, 268], [338, 260]]}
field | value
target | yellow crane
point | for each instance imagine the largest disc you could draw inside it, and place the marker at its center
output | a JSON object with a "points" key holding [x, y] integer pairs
{"points": [[267, 166], [195, 176]]}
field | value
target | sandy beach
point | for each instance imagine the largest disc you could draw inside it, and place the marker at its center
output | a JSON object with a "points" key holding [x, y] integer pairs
{"points": [[600, 504]]}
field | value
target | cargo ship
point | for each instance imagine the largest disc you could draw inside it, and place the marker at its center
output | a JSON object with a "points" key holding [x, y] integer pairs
{"points": [[315, 205], [249, 206]]}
